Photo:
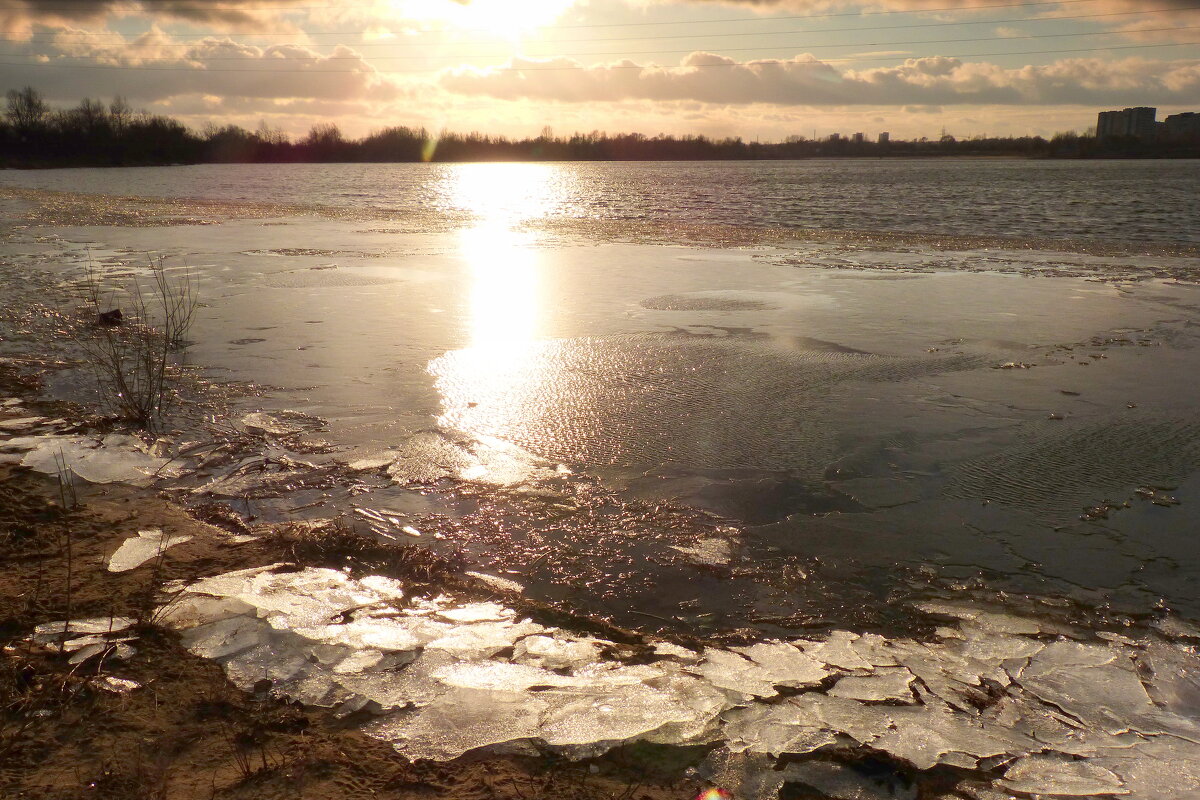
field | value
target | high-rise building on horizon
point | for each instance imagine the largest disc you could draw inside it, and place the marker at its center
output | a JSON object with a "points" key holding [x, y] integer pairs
{"points": [[1182, 127], [885, 137], [1137, 123]]}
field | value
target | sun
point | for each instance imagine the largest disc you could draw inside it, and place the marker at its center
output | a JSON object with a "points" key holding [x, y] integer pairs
{"points": [[502, 18]]}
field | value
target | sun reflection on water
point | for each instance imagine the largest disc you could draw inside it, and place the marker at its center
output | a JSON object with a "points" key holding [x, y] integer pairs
{"points": [[505, 306], [505, 195]]}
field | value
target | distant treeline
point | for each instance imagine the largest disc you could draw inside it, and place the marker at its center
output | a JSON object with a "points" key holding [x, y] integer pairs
{"points": [[98, 134]]}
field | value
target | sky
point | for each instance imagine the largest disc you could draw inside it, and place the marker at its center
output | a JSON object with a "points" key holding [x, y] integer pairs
{"points": [[758, 69]]}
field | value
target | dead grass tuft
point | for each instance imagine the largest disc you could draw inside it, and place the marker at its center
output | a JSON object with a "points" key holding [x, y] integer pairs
{"points": [[337, 546]]}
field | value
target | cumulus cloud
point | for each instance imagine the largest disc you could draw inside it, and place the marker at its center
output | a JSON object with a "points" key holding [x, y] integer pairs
{"points": [[1110, 13], [807, 81], [20, 17], [153, 67]]}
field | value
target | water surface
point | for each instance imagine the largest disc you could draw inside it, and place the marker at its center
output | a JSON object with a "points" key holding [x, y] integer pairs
{"points": [[867, 421]]}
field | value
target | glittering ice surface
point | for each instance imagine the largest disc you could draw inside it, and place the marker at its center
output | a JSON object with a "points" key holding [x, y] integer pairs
{"points": [[1021, 707]]}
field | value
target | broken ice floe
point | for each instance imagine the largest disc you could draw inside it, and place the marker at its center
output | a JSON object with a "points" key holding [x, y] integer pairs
{"points": [[21, 423], [116, 685], [431, 456], [137, 550], [114, 458], [712, 551], [281, 423], [86, 638], [1002, 701]]}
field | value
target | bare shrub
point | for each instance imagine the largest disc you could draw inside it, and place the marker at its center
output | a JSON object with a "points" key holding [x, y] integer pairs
{"points": [[131, 352]]}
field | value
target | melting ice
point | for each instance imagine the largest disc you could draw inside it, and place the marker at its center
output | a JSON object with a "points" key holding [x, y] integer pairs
{"points": [[1032, 707]]}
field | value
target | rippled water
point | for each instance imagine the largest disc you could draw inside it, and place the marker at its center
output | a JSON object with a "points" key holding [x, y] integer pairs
{"points": [[869, 416], [1153, 201]]}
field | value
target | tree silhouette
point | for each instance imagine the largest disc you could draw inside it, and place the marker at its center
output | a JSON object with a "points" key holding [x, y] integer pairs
{"points": [[94, 135], [26, 108]]}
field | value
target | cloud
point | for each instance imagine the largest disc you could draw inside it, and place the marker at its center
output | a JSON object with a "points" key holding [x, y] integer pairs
{"points": [[1167, 13], [807, 81], [826, 6], [19, 17], [153, 67], [193, 10]]}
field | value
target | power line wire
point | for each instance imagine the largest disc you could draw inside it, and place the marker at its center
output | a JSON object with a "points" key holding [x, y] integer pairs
{"points": [[823, 46], [265, 34], [576, 68]]}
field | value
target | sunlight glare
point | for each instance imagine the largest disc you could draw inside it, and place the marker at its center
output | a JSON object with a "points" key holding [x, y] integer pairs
{"points": [[505, 195], [482, 383], [505, 19], [504, 291]]}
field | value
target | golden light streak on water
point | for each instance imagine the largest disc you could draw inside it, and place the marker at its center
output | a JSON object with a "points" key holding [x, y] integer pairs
{"points": [[505, 303]]}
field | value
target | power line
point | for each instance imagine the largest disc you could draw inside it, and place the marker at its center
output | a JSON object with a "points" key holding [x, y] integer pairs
{"points": [[577, 68], [265, 34], [676, 36], [823, 46], [947, 9]]}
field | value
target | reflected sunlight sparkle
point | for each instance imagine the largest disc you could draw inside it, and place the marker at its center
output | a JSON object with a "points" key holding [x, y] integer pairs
{"points": [[504, 305]]}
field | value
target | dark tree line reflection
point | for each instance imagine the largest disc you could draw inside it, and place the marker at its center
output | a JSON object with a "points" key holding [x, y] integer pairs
{"points": [[95, 133]]}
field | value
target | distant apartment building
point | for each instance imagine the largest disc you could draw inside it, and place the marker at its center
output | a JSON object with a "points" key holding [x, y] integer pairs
{"points": [[1137, 123], [1181, 127], [859, 138], [885, 137]]}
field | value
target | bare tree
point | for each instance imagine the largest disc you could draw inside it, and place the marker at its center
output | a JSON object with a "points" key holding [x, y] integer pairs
{"points": [[120, 112], [269, 135], [324, 134], [90, 115], [26, 108]]}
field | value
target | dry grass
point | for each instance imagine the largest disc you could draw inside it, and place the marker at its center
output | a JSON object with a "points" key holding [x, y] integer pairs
{"points": [[133, 357]]}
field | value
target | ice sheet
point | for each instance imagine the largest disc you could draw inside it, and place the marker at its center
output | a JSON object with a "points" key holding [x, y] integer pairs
{"points": [[121, 459], [443, 676]]}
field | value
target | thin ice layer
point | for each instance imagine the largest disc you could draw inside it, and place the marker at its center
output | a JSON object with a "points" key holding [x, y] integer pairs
{"points": [[443, 677], [117, 459]]}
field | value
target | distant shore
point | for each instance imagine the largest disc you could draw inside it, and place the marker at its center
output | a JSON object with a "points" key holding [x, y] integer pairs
{"points": [[519, 159]]}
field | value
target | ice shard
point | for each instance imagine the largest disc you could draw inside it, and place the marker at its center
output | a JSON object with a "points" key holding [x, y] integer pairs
{"points": [[1059, 776], [147, 545], [885, 684]]}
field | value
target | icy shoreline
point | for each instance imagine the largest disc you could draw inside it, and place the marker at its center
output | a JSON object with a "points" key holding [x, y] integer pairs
{"points": [[1000, 704], [995, 705], [1033, 707]]}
